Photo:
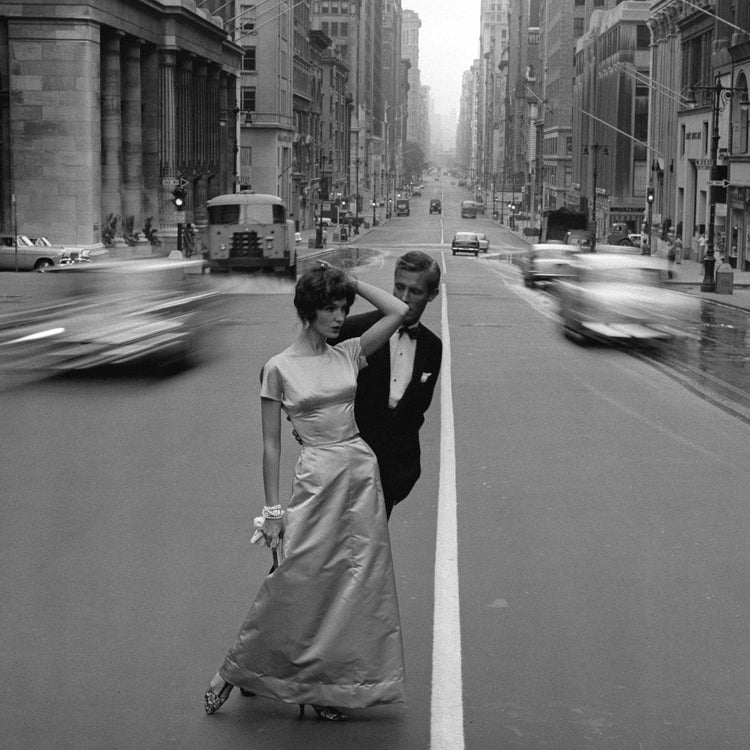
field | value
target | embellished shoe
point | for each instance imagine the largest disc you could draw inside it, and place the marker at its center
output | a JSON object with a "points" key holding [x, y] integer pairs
{"points": [[213, 700], [327, 713]]}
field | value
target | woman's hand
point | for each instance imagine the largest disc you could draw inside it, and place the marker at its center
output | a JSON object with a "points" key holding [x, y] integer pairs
{"points": [[273, 531]]}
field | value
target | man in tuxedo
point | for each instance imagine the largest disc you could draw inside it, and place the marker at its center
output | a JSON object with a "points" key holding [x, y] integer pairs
{"points": [[395, 389]]}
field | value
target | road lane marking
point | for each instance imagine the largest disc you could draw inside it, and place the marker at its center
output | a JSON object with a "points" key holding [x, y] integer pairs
{"points": [[446, 710]]}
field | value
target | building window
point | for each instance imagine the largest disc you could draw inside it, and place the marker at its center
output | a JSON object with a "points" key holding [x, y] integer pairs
{"points": [[247, 17], [578, 27], [248, 99], [248, 60]]}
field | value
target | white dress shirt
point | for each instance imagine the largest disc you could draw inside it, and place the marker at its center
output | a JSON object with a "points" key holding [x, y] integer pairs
{"points": [[403, 348]]}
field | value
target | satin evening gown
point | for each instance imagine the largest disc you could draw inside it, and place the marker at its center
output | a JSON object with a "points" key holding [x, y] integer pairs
{"points": [[324, 628]]}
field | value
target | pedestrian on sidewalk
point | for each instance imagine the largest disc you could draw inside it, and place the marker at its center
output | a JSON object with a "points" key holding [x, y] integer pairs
{"points": [[324, 629], [671, 252]]}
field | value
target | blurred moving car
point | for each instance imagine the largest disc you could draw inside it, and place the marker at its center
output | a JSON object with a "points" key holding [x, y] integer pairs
{"points": [[436, 207], [547, 261], [465, 242], [484, 242], [113, 314], [619, 298], [36, 253]]}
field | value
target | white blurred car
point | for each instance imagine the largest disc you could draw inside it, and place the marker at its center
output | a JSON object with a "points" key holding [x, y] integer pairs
{"points": [[484, 242], [620, 298]]}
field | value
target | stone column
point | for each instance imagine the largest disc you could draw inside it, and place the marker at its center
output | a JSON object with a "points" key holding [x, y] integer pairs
{"points": [[111, 128], [167, 127], [151, 133], [132, 135], [199, 112]]}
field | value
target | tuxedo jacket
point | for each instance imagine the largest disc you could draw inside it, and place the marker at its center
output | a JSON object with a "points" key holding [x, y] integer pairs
{"points": [[393, 434]]}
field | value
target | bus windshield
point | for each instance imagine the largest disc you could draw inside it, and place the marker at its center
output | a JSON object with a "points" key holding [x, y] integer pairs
{"points": [[252, 213]]}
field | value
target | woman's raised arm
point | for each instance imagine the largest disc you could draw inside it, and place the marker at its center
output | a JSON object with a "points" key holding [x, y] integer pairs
{"points": [[393, 310]]}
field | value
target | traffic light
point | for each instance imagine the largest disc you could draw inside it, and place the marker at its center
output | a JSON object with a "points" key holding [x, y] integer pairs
{"points": [[178, 198], [650, 195]]}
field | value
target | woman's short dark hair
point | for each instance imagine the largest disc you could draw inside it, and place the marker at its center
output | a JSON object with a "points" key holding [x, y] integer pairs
{"points": [[319, 287]]}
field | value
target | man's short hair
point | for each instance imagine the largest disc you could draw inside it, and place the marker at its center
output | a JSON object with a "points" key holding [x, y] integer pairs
{"points": [[419, 262]]}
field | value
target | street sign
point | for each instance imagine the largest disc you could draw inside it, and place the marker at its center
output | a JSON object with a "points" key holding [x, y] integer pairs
{"points": [[719, 183]]}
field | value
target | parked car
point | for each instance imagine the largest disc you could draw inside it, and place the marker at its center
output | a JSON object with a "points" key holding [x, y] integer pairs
{"points": [[619, 298], [484, 242], [465, 242], [436, 207], [36, 253], [547, 261]]}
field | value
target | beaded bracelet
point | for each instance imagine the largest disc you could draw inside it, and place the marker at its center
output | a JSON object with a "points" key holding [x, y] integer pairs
{"points": [[273, 512]]}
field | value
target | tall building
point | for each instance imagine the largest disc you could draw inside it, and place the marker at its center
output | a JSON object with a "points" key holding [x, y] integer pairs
{"points": [[610, 117], [410, 50], [561, 24], [106, 107], [267, 95]]}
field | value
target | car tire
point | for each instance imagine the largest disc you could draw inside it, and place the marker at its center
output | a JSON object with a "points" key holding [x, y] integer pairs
{"points": [[476, 253], [454, 252], [626, 243], [42, 265]]}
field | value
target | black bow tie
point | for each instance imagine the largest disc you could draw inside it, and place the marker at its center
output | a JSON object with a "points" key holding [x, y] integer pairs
{"points": [[410, 332]]}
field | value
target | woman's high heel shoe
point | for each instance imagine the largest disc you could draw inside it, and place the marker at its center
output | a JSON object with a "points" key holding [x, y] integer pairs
{"points": [[327, 713], [213, 700]]}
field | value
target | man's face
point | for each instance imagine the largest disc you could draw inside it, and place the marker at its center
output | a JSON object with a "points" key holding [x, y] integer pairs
{"points": [[411, 287]]}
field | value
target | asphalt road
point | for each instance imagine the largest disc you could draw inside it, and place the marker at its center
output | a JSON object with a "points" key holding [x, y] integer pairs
{"points": [[602, 527]]}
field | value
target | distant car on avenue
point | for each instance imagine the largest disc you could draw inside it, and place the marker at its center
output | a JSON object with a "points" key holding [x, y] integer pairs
{"points": [[436, 207], [465, 242]]}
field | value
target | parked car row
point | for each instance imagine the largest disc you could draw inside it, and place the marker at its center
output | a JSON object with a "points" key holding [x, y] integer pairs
{"points": [[25, 253]]}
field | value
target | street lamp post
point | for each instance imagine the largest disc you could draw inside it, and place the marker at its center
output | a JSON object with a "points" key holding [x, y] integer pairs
{"points": [[720, 96], [595, 148]]}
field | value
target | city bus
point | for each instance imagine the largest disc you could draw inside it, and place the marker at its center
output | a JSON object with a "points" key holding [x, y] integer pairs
{"points": [[250, 232]]}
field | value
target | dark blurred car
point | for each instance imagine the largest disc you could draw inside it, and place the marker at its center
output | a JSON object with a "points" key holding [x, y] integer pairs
{"points": [[113, 314], [436, 207], [484, 242], [547, 261], [465, 242], [619, 298]]}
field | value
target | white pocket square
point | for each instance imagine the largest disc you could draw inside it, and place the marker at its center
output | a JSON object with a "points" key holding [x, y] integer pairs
{"points": [[425, 377]]}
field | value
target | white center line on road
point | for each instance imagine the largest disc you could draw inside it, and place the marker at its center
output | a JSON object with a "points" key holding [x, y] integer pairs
{"points": [[446, 710]]}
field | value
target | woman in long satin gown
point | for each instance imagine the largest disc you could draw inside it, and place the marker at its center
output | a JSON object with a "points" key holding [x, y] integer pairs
{"points": [[324, 629]]}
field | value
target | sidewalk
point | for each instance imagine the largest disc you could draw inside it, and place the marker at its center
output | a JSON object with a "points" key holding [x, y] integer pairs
{"points": [[688, 277]]}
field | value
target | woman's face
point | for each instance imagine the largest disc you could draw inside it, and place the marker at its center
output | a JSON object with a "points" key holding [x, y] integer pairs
{"points": [[328, 321]]}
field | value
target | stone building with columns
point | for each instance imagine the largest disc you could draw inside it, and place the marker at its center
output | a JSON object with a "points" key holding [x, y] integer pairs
{"points": [[106, 106]]}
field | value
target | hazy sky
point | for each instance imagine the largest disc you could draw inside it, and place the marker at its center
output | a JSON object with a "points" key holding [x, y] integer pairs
{"points": [[448, 44]]}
